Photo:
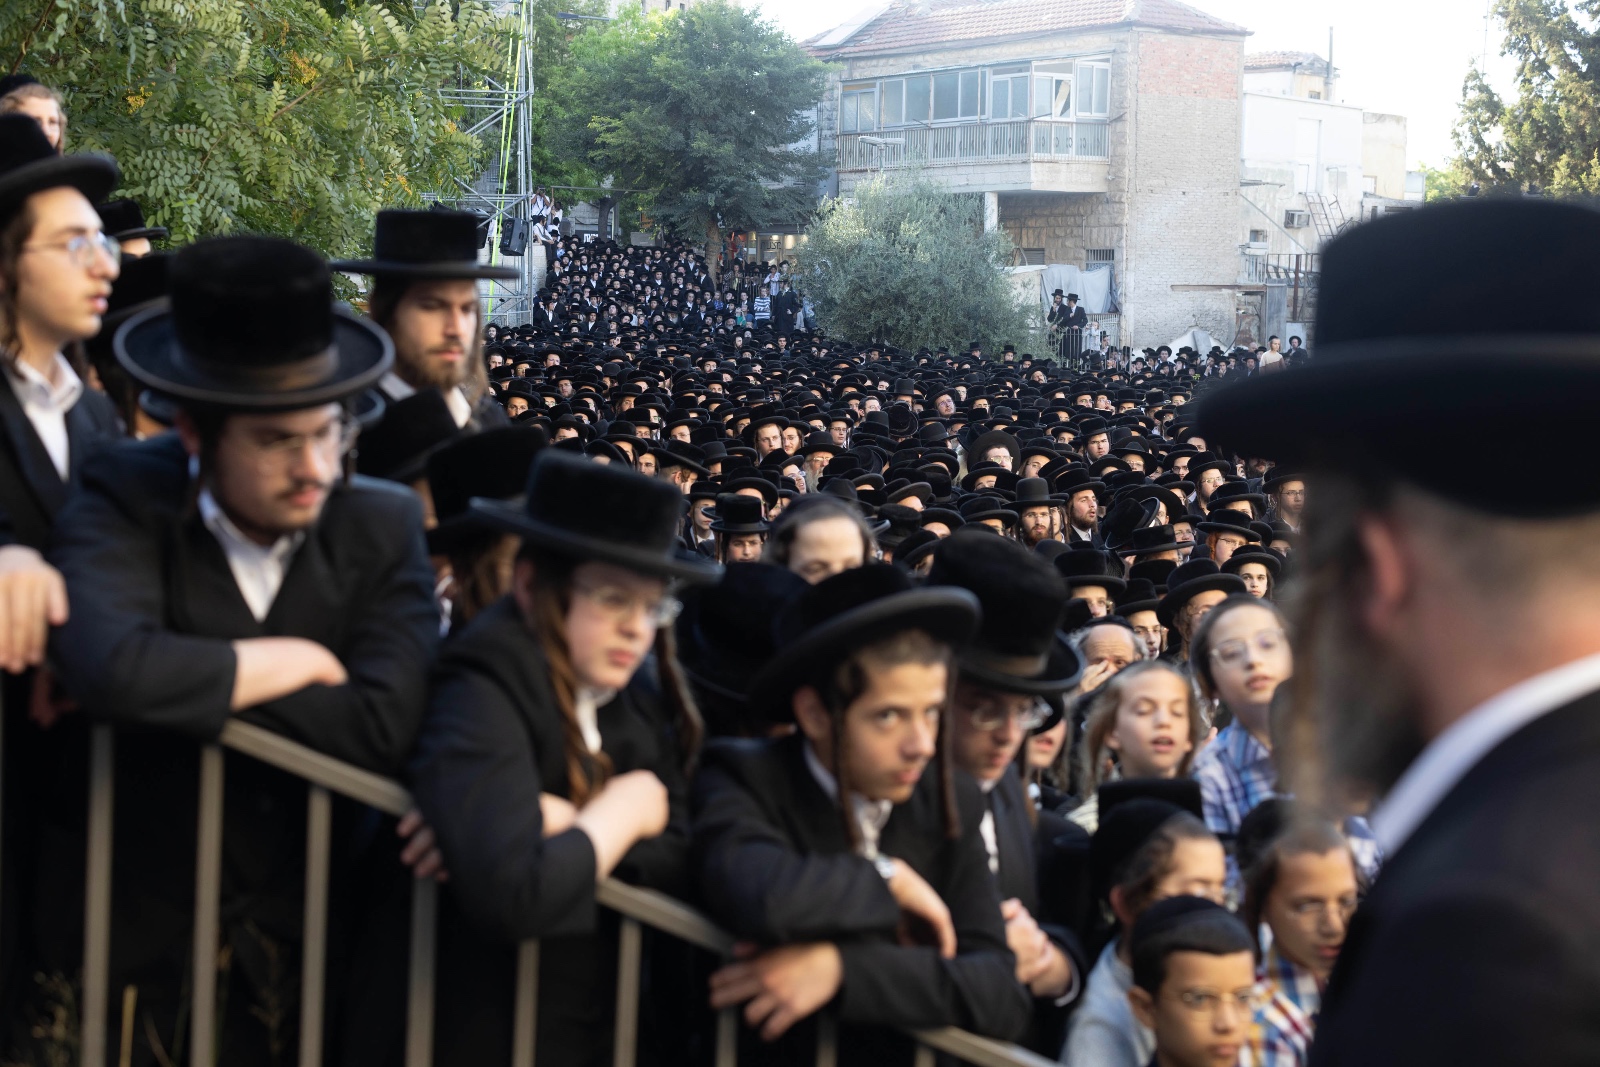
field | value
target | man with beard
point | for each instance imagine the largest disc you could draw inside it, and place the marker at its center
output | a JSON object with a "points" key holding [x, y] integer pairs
{"points": [[425, 274], [1452, 628], [230, 570]]}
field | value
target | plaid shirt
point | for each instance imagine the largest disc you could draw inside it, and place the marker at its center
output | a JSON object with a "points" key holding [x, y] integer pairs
{"points": [[1280, 1032], [1235, 773]]}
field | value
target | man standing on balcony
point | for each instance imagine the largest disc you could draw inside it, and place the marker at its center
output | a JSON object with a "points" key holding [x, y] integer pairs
{"points": [[230, 569]]}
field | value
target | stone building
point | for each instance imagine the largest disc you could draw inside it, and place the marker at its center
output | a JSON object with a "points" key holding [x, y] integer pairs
{"points": [[1103, 134]]}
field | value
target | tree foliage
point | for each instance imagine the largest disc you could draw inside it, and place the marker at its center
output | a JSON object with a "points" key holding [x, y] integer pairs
{"points": [[904, 262], [697, 112], [276, 116], [1549, 134], [1441, 183]]}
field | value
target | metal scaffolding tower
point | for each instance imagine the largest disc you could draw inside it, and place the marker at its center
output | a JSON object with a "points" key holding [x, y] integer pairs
{"points": [[501, 116]]}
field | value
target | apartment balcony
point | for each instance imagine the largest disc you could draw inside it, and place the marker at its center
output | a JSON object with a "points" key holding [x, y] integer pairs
{"points": [[1019, 156]]}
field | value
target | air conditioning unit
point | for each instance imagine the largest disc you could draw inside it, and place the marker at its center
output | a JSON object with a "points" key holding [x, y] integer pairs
{"points": [[1296, 220], [1256, 248]]}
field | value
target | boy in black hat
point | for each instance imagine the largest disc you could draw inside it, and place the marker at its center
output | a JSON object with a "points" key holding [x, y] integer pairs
{"points": [[842, 843], [425, 274], [230, 569]]}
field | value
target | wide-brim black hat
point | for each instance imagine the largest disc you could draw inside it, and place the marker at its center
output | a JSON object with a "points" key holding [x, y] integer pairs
{"points": [[124, 220], [1414, 345], [585, 510], [847, 612], [421, 245], [251, 324], [1191, 579], [29, 164], [1060, 670]]}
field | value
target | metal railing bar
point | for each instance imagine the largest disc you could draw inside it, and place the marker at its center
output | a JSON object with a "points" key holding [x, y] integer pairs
{"points": [[373, 790], [981, 1051], [207, 904], [630, 964], [661, 912], [827, 1041], [419, 998], [319, 831], [525, 1029], [924, 1056], [97, 896], [727, 1037]]}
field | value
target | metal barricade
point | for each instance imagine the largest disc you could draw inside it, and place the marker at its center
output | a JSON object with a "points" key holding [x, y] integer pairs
{"points": [[324, 777]]}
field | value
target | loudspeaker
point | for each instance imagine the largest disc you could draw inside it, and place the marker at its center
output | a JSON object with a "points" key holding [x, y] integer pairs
{"points": [[514, 237]]}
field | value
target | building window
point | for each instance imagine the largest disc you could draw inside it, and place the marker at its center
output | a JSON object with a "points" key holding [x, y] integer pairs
{"points": [[1031, 257], [858, 109], [1314, 94], [1091, 256], [946, 96], [1094, 89], [1052, 90], [1258, 237], [894, 103], [1008, 92]]}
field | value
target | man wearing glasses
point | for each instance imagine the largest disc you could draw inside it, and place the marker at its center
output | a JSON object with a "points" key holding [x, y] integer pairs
{"points": [[1005, 675], [227, 570]]}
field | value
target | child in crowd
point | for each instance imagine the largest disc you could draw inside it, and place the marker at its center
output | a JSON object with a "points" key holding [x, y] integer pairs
{"points": [[1193, 982]]}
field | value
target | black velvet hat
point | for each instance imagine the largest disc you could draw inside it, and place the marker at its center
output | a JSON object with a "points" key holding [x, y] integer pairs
{"points": [[1152, 539], [1090, 566], [1139, 596], [28, 164], [592, 511], [1227, 520], [492, 464], [252, 325], [737, 513], [1018, 647], [424, 245], [725, 637], [1131, 811], [1414, 342], [847, 612], [397, 448], [1189, 580], [140, 284], [124, 220]]}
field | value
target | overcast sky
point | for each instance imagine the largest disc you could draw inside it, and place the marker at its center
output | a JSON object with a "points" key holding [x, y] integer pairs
{"points": [[1404, 57]]}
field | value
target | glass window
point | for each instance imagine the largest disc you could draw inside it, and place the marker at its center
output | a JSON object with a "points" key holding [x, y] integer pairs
{"points": [[1042, 90], [946, 96], [917, 99], [858, 110], [1000, 98], [1094, 89], [971, 93], [894, 100]]}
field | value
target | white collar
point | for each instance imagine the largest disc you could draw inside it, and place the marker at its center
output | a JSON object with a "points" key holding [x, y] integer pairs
{"points": [[397, 388], [59, 391], [871, 815], [1450, 756], [234, 539]]}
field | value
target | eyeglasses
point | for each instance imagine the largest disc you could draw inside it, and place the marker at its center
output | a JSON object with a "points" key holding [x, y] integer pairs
{"points": [[1149, 633], [620, 605], [1308, 909], [82, 248], [989, 715], [1234, 653], [336, 438], [1204, 1002]]}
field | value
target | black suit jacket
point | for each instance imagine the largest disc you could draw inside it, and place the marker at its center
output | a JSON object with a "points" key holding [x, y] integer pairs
{"points": [[492, 742], [773, 865], [1480, 942], [148, 647], [31, 490]]}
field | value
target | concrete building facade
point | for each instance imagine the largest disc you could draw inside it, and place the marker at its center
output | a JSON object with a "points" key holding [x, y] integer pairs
{"points": [[1103, 134]]}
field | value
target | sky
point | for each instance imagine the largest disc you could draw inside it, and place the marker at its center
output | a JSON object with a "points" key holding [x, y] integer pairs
{"points": [[1402, 57]]}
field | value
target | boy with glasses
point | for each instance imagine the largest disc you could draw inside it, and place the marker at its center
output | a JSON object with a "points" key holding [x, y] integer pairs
{"points": [[1193, 982]]}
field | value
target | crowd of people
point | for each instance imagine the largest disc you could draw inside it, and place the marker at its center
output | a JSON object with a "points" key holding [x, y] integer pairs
{"points": [[955, 685]]}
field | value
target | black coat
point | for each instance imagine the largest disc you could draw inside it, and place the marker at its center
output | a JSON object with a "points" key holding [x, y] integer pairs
{"points": [[31, 491], [773, 865], [155, 609], [492, 742], [1477, 945]]}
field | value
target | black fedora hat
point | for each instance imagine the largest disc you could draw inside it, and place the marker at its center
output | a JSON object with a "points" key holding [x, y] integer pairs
{"points": [[849, 611], [1413, 344], [1018, 647], [425, 244], [1140, 596], [251, 323], [1152, 539], [1090, 566], [124, 220], [1227, 520], [1264, 556], [1190, 580], [1229, 492], [736, 513], [723, 642], [491, 465], [28, 164], [398, 447], [594, 511], [1155, 571]]}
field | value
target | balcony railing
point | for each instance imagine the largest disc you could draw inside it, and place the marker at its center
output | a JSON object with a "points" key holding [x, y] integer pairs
{"points": [[325, 776], [1019, 141]]}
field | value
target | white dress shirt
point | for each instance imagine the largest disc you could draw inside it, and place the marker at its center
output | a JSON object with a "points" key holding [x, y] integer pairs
{"points": [[46, 402], [871, 815], [1463, 745], [397, 388], [258, 569], [586, 704]]}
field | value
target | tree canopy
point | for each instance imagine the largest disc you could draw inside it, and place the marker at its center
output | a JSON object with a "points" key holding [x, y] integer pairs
{"points": [[904, 262], [1548, 136], [278, 116], [696, 112]]}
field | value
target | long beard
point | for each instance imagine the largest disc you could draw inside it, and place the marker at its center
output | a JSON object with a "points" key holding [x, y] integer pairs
{"points": [[422, 371], [1353, 730]]}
